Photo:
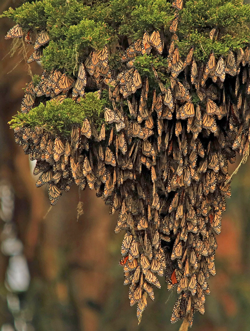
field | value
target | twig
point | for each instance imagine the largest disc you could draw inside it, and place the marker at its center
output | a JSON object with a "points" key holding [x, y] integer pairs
{"points": [[185, 325], [243, 161], [44, 217], [202, 48]]}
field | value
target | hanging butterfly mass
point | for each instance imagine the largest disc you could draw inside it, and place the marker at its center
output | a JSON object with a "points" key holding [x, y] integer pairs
{"points": [[162, 163]]}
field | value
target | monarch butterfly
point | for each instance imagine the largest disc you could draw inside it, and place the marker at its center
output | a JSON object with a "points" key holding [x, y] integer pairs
{"points": [[44, 178], [212, 33], [94, 60], [111, 135], [209, 67], [67, 152], [54, 193], [40, 167], [147, 243], [156, 266], [202, 280], [156, 42], [136, 130], [59, 149], [194, 72], [43, 142], [143, 112], [79, 89], [159, 126], [132, 109], [56, 178], [178, 4], [91, 180], [181, 92], [102, 56], [174, 203], [149, 290], [108, 188], [35, 56], [64, 83], [244, 75], [134, 249], [149, 123], [124, 260], [209, 123], [41, 88], [75, 169], [146, 47], [192, 285], [183, 285], [220, 70], [143, 224], [211, 265], [177, 251], [246, 59], [86, 128], [240, 56], [189, 57], [176, 69], [158, 105], [132, 50], [211, 63], [130, 64], [142, 304], [136, 81], [176, 56], [174, 25], [147, 148], [122, 143], [168, 99], [49, 150], [137, 293], [126, 243], [216, 224], [86, 166], [119, 126], [42, 39], [26, 134], [109, 157], [171, 49], [27, 102], [75, 136], [136, 276], [231, 64], [152, 279], [15, 32], [126, 76], [214, 162], [173, 278], [156, 240], [111, 117], [28, 38], [54, 78], [186, 111], [212, 108], [89, 65]]}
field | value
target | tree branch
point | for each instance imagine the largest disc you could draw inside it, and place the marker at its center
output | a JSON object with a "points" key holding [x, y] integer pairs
{"points": [[185, 325]]}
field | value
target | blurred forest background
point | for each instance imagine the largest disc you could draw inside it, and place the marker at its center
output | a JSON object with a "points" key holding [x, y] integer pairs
{"points": [[58, 273]]}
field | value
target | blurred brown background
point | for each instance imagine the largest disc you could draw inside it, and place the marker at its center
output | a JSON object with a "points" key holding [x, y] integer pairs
{"points": [[58, 273]]}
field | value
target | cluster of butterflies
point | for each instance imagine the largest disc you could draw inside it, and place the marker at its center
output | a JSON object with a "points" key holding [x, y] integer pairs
{"points": [[160, 159]]}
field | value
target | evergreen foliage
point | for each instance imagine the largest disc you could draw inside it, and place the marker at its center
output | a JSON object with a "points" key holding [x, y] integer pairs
{"points": [[75, 27], [58, 118]]}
